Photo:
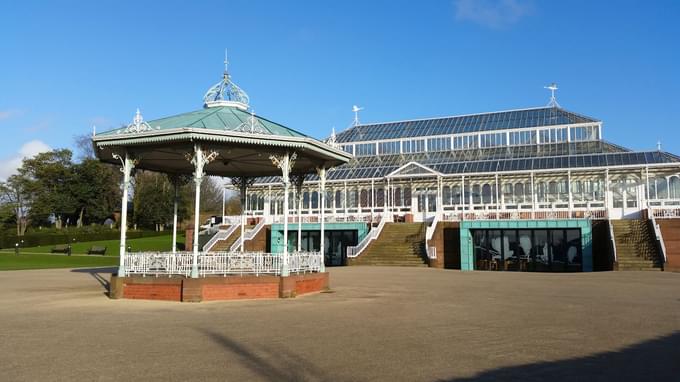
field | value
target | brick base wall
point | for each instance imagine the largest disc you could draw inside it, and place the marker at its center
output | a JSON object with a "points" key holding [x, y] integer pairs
{"points": [[437, 241], [670, 231], [216, 288]]}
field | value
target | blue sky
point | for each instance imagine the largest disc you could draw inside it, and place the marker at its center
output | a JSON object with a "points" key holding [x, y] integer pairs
{"points": [[65, 67]]}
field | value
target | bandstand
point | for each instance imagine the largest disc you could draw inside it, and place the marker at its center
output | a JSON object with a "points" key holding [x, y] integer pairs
{"points": [[226, 139]]}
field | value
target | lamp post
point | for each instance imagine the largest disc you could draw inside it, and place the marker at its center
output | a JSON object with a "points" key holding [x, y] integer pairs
{"points": [[16, 249]]}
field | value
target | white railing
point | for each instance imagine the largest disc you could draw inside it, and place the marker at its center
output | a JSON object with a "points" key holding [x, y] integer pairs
{"points": [[221, 235], [657, 233], [239, 263], [248, 235], [158, 263], [429, 232], [231, 219], [665, 212], [612, 238], [373, 234], [330, 218], [305, 262], [220, 263], [522, 214]]}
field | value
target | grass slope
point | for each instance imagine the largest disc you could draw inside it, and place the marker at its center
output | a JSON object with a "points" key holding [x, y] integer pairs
{"points": [[41, 258], [154, 243], [11, 262]]}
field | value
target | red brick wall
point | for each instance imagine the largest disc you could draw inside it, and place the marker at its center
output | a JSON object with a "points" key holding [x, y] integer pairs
{"points": [[310, 285], [670, 231], [437, 241], [153, 291], [259, 242], [240, 291]]}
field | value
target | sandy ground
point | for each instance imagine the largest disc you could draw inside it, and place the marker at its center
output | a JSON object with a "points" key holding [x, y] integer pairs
{"points": [[377, 324]]}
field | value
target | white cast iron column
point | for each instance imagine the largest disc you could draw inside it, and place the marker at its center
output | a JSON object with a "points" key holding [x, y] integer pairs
{"points": [[199, 160], [128, 164], [285, 163], [175, 180], [322, 199]]}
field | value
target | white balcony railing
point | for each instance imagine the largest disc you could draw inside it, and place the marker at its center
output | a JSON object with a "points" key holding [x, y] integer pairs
{"points": [[220, 235]]}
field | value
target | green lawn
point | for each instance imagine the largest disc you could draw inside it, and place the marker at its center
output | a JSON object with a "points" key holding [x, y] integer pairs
{"points": [[10, 262], [40, 257], [154, 243]]}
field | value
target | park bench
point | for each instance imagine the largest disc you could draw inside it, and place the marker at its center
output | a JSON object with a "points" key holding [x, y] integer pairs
{"points": [[96, 250], [60, 248]]}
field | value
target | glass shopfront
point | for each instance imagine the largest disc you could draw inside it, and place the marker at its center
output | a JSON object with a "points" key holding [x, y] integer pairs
{"points": [[528, 250], [335, 245]]}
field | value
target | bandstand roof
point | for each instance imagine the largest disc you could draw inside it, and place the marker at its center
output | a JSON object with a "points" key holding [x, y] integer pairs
{"points": [[243, 140]]}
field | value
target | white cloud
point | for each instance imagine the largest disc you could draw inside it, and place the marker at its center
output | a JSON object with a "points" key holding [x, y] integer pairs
{"points": [[29, 149], [7, 114], [491, 13]]}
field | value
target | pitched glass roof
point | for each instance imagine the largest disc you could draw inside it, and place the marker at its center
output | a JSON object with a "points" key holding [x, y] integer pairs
{"points": [[513, 119], [506, 159], [222, 118]]}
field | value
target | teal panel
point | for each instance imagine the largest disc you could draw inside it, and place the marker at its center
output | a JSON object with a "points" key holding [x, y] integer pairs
{"points": [[277, 231], [467, 250]]}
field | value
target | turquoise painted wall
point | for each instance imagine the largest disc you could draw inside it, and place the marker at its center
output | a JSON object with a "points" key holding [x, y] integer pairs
{"points": [[277, 231], [466, 246]]}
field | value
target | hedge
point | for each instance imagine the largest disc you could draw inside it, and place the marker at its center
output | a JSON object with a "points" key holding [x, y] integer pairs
{"points": [[50, 238]]}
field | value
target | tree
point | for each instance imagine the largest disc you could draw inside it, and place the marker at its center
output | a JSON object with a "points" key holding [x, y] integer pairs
{"points": [[46, 181], [96, 189], [14, 203], [153, 200], [84, 147]]}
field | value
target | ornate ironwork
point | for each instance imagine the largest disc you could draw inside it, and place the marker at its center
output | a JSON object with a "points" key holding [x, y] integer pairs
{"points": [[138, 125], [252, 126], [226, 91], [199, 159], [285, 163]]}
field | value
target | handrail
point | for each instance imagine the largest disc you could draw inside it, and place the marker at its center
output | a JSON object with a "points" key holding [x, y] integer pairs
{"points": [[657, 232], [248, 235], [373, 234], [220, 235], [611, 237], [429, 232]]}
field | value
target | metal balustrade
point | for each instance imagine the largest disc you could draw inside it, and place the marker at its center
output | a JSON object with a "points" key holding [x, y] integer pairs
{"points": [[220, 263], [354, 251]]}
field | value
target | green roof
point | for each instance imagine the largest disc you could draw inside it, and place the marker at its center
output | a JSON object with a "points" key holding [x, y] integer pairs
{"points": [[221, 118]]}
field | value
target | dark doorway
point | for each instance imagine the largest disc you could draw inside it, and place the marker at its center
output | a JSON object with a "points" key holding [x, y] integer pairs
{"points": [[452, 248]]}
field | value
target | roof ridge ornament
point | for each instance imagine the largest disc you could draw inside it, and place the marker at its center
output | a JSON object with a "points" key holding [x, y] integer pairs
{"points": [[226, 92], [138, 125], [333, 139], [553, 101], [252, 126]]}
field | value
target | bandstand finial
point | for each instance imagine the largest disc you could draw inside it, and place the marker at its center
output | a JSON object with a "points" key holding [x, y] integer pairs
{"points": [[553, 101], [226, 92]]}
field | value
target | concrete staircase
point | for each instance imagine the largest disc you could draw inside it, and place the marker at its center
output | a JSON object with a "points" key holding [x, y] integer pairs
{"points": [[399, 244], [636, 248], [225, 245]]}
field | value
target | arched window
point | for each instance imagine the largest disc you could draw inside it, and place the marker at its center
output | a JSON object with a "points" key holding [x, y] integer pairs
{"points": [[576, 191], [486, 194], [563, 190], [552, 191], [339, 199], [305, 200], [380, 197], [540, 192], [519, 193], [476, 194], [674, 187], [407, 196], [456, 197], [315, 199], [364, 198], [508, 194], [398, 201], [661, 188], [446, 195]]}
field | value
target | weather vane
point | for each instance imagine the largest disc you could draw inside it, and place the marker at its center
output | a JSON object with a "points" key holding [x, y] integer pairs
{"points": [[356, 109], [553, 101]]}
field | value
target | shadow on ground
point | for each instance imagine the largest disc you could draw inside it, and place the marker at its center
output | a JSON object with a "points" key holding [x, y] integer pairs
{"points": [[654, 360], [102, 275], [270, 364]]}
